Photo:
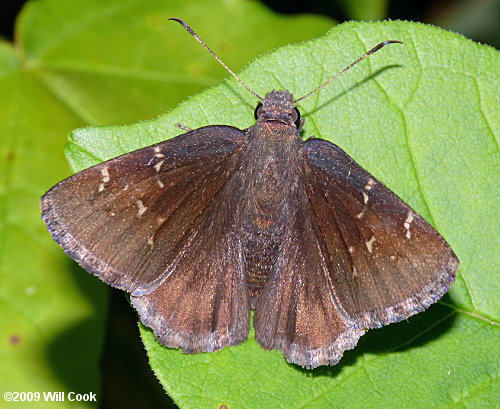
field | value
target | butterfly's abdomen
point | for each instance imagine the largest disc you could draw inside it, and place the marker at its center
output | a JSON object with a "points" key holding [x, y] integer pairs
{"points": [[271, 182]]}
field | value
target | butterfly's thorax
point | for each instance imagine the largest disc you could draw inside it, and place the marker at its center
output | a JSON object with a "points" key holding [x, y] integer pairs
{"points": [[271, 169]]}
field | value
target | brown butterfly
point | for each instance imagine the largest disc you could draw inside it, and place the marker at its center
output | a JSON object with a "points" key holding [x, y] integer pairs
{"points": [[204, 227]]}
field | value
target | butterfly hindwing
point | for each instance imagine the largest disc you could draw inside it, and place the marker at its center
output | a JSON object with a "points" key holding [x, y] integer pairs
{"points": [[297, 311], [385, 262], [127, 220], [203, 304]]}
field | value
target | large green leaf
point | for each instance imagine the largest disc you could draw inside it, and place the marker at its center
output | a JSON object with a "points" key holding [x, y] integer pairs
{"points": [[75, 64], [46, 303], [422, 117]]}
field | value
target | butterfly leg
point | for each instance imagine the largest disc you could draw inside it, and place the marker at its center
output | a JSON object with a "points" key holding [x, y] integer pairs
{"points": [[184, 128]]}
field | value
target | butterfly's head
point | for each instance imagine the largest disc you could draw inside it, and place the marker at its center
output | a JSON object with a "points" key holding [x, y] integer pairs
{"points": [[278, 106]]}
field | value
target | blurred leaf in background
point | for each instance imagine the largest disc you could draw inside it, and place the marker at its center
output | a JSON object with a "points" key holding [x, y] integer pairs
{"points": [[423, 118]]}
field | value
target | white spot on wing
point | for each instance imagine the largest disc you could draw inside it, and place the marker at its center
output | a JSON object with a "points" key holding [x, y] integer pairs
{"points": [[365, 201], [365, 198], [158, 153], [369, 185], [351, 249], [158, 165], [105, 178], [141, 208], [160, 183], [105, 174], [407, 224], [369, 244], [151, 241], [409, 218]]}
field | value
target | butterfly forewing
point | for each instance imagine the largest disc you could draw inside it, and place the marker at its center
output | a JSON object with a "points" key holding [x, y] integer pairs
{"points": [[385, 262], [128, 219]]}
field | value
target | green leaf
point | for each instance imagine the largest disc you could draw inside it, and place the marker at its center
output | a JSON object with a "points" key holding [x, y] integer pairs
{"points": [[46, 304], [75, 64], [122, 61], [422, 117]]}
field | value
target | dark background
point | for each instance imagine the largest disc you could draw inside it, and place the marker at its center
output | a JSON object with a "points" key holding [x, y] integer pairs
{"points": [[128, 381], [475, 19]]}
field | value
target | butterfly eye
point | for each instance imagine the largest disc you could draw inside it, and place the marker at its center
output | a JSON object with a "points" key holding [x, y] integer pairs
{"points": [[296, 119], [257, 109]]}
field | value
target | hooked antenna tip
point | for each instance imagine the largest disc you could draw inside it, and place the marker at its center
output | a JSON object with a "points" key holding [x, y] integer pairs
{"points": [[392, 42], [184, 24]]}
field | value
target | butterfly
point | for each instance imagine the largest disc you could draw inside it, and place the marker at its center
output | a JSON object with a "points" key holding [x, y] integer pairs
{"points": [[216, 222]]}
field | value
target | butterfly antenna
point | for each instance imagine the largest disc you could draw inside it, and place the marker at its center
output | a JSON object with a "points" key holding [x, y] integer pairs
{"points": [[373, 50], [191, 31]]}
